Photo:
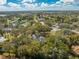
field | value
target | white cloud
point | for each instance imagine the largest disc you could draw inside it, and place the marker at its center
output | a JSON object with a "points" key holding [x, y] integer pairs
{"points": [[59, 5], [65, 5], [28, 5], [3, 2], [44, 5], [4, 8], [11, 7], [15, 6], [67, 1], [35, 6]]}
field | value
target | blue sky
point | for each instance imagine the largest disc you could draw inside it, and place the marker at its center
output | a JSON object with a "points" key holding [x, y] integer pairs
{"points": [[36, 1], [25, 5]]}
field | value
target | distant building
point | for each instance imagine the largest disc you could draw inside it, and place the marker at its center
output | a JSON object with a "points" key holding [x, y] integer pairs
{"points": [[1, 25], [2, 38], [7, 29]]}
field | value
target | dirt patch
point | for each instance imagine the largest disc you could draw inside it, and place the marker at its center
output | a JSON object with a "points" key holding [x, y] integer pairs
{"points": [[2, 57], [75, 49]]}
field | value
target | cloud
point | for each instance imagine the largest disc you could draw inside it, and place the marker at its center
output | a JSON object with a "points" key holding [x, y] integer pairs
{"points": [[29, 6], [14, 6], [67, 1], [35, 6], [32, 5], [65, 5], [5, 8], [11, 7], [3, 2], [44, 5], [59, 5]]}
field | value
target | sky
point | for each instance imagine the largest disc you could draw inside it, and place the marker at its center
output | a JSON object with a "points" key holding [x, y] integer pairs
{"points": [[28, 5]]}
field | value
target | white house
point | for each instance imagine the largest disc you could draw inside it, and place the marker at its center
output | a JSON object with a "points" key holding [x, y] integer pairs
{"points": [[2, 39]]}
